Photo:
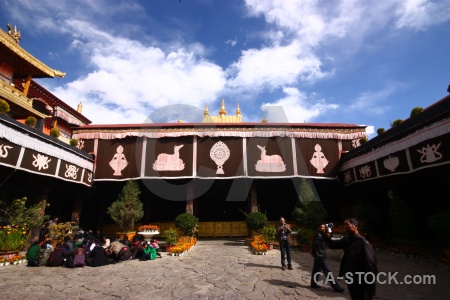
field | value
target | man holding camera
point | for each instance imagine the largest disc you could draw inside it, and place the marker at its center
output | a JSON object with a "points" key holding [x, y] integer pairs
{"points": [[319, 253], [284, 238], [359, 259]]}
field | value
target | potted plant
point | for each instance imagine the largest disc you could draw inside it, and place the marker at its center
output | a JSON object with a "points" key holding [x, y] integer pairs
{"points": [[171, 238], [127, 209], [269, 232], [73, 142], [439, 223], [19, 220], [305, 236], [187, 223], [4, 107], [31, 121], [255, 221], [54, 132]]}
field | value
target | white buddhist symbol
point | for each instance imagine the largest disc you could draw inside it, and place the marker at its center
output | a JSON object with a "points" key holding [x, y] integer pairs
{"points": [[219, 154], [318, 160], [41, 161], [118, 162], [71, 171]]}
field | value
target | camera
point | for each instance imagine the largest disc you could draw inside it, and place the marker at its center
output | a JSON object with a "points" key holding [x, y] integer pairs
{"points": [[329, 226]]}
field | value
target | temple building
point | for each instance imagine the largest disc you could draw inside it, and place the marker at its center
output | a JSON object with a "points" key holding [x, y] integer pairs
{"points": [[218, 169]]}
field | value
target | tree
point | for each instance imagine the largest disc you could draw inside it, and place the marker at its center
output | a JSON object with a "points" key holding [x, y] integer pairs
{"points": [[309, 210], [403, 221], [380, 130], [415, 111], [128, 208], [17, 214]]}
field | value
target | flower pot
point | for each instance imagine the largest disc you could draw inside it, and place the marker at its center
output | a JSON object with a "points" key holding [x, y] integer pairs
{"points": [[447, 253], [305, 248], [129, 234]]}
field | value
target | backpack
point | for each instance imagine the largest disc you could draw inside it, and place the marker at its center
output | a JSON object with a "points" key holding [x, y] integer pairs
{"points": [[124, 253]]}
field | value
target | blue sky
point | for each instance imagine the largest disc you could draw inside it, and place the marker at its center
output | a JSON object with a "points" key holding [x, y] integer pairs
{"points": [[344, 61]]}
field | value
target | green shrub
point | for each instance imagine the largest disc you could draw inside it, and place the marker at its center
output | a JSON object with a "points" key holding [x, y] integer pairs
{"points": [[170, 236], [128, 208], [380, 130], [55, 132], [187, 223], [439, 223], [73, 142], [269, 232], [31, 121], [397, 122], [305, 236], [4, 107], [415, 111], [256, 221]]}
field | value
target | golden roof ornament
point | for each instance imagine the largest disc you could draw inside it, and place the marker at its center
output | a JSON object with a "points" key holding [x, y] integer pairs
{"points": [[238, 110], [222, 109], [206, 112], [14, 33]]}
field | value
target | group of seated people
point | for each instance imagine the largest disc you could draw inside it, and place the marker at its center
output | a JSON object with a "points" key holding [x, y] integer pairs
{"points": [[89, 250]]}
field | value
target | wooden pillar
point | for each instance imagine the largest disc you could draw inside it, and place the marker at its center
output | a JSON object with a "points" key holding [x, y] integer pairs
{"points": [[253, 198], [42, 198], [190, 198], [76, 212], [27, 85]]}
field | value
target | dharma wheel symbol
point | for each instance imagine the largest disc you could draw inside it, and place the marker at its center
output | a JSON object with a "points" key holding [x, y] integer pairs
{"points": [[219, 154]]}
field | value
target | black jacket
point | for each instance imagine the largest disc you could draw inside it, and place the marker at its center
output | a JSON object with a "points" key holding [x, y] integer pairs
{"points": [[359, 256], [318, 246]]}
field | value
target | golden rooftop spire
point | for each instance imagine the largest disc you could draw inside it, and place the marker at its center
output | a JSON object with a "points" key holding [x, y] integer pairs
{"points": [[238, 110], [206, 112], [222, 109]]}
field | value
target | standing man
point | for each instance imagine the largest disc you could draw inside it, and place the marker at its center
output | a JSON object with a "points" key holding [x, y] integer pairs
{"points": [[284, 238], [359, 262], [320, 262]]}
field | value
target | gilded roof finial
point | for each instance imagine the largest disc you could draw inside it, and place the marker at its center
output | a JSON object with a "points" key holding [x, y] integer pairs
{"points": [[265, 120], [206, 112], [14, 33], [222, 109], [238, 110]]}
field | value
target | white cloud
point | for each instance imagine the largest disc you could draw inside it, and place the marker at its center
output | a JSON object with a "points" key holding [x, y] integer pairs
{"points": [[138, 77], [371, 102], [421, 14], [273, 67], [296, 107]]}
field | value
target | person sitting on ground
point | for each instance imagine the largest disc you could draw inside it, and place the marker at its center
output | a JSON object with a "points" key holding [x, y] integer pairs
{"points": [[105, 242], [97, 257], [115, 250], [149, 252], [77, 241], [69, 251], [56, 257], [45, 252], [126, 242], [154, 244], [32, 253], [137, 248], [79, 258]]}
